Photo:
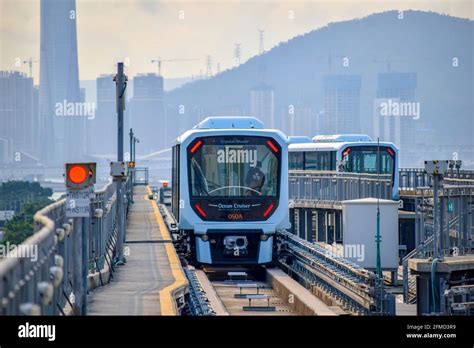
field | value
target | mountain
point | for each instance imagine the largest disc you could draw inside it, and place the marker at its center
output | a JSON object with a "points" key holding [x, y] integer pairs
{"points": [[425, 43]]}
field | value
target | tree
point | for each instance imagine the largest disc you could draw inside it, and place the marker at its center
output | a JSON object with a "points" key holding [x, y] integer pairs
{"points": [[31, 198]]}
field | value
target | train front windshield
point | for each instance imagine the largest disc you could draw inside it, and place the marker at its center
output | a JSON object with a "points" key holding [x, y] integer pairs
{"points": [[234, 166], [363, 159]]}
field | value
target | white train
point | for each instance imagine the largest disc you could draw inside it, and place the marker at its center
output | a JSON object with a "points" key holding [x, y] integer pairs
{"points": [[352, 153], [230, 190]]}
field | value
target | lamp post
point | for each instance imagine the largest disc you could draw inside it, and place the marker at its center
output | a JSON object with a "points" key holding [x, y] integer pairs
{"points": [[135, 141]]}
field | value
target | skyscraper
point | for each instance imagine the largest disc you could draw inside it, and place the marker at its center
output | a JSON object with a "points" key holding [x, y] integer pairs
{"points": [[100, 142], [341, 104], [397, 91], [17, 115], [299, 120], [146, 112], [62, 126], [262, 104]]}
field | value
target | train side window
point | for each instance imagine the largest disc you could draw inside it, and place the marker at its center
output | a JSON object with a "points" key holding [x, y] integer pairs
{"points": [[311, 161], [296, 161], [324, 160]]}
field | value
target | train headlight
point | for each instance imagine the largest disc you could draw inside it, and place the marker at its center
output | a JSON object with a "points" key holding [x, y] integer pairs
{"points": [[205, 237], [264, 237]]}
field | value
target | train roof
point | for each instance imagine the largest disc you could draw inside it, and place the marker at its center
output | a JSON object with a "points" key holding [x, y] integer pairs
{"points": [[334, 146], [230, 122], [228, 125], [341, 138], [298, 139]]}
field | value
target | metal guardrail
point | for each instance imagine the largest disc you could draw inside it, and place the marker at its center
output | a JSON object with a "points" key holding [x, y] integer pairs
{"points": [[456, 225], [197, 302], [140, 176], [350, 284], [459, 300], [331, 186], [413, 178], [44, 285]]}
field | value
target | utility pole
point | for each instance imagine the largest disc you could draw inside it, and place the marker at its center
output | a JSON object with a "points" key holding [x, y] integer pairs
{"points": [[378, 238], [208, 66], [135, 141], [131, 144], [121, 84], [133, 160], [237, 54]]}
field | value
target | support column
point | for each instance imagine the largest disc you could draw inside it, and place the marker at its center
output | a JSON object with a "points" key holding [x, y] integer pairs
{"points": [[78, 284], [320, 229]]}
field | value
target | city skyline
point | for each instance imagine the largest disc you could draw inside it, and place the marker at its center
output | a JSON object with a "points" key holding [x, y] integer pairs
{"points": [[330, 86], [186, 31]]}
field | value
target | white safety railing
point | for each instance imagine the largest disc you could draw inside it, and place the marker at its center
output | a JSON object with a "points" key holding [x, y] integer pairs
{"points": [[40, 278]]}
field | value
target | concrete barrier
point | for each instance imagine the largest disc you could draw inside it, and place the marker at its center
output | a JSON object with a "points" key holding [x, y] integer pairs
{"points": [[300, 299]]}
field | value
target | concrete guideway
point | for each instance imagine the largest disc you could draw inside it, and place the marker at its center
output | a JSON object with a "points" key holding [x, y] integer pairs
{"points": [[152, 278]]}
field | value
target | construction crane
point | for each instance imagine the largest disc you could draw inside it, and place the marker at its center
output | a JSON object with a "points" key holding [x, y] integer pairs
{"points": [[158, 62], [30, 64]]}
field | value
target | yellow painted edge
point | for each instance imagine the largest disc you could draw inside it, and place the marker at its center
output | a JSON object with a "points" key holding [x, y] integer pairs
{"points": [[167, 301]]}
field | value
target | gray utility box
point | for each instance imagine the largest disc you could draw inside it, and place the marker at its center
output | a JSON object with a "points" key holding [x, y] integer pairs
{"points": [[360, 228], [118, 169]]}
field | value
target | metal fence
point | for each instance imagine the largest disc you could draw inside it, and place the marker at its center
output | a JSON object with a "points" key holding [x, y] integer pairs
{"points": [[140, 176], [455, 225], [41, 278], [336, 187], [413, 178]]}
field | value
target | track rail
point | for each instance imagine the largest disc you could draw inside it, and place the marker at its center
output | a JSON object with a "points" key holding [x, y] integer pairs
{"points": [[350, 285], [223, 301]]}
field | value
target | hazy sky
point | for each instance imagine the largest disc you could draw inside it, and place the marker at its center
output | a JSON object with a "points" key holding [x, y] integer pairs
{"points": [[136, 31]]}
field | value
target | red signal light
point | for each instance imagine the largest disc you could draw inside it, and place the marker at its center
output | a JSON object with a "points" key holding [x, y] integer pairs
{"points": [[80, 175], [77, 174]]}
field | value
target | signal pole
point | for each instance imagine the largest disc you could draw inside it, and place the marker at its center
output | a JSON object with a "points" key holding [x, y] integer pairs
{"points": [[378, 237], [80, 180], [131, 158], [131, 144], [121, 84]]}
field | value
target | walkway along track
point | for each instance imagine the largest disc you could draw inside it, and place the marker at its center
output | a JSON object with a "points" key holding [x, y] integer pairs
{"points": [[151, 282], [168, 295]]}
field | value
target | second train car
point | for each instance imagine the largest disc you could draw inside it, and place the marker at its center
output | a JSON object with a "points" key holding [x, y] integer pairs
{"points": [[351, 153], [230, 190]]}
